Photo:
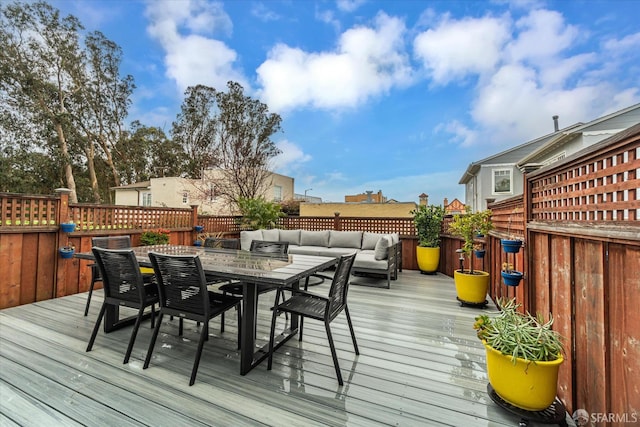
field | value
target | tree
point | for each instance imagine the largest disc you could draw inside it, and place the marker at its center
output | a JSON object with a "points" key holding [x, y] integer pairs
{"points": [[146, 152], [71, 93], [195, 129], [39, 53], [230, 132]]}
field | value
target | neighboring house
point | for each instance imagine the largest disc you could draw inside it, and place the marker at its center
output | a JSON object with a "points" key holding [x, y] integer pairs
{"points": [[454, 208], [366, 197], [500, 176], [178, 192]]}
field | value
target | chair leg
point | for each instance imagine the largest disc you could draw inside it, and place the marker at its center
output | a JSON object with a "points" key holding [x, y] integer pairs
{"points": [[336, 365], [300, 325], [153, 316], [274, 316], [153, 340], [196, 363], [134, 332], [222, 318], [96, 327], [353, 335], [93, 283], [180, 325], [239, 325]]}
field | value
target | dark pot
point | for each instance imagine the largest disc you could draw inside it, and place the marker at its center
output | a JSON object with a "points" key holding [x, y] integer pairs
{"points": [[199, 228], [511, 246], [479, 253], [197, 243], [511, 278]]}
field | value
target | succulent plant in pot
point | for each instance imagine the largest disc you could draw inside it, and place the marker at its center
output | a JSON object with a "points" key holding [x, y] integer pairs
{"points": [[523, 353]]}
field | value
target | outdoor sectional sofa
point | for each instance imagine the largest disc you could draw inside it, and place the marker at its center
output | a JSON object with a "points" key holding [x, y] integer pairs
{"points": [[376, 253]]}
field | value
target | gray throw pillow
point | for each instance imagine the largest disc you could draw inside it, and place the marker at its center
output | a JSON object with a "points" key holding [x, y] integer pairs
{"points": [[381, 250], [369, 240]]}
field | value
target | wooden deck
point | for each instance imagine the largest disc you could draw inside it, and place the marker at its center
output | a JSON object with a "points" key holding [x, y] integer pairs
{"points": [[420, 364]]}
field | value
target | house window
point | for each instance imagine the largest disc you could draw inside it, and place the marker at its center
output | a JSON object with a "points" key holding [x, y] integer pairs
{"points": [[277, 193], [211, 193], [146, 199], [502, 179], [185, 197]]}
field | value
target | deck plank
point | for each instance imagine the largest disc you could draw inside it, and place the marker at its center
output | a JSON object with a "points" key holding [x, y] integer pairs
{"points": [[420, 364]]}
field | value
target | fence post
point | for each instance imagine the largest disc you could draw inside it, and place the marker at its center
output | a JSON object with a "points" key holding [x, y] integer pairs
{"points": [[194, 216], [337, 224], [62, 215]]}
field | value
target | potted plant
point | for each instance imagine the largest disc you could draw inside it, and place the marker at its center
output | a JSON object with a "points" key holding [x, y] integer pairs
{"points": [[471, 285], [479, 251], [523, 356], [428, 222], [510, 277], [198, 228], [67, 251], [67, 227]]}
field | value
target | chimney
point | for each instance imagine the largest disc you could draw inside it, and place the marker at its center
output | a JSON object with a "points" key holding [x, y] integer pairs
{"points": [[446, 202], [424, 199], [555, 124], [369, 192]]}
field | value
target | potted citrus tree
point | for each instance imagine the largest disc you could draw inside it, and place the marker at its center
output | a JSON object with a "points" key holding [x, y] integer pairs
{"points": [[428, 222], [523, 356], [471, 285]]}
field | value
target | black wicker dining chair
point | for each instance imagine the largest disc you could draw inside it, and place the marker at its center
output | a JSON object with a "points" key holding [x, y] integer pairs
{"points": [[183, 293], [123, 286], [112, 242], [319, 307], [268, 248]]}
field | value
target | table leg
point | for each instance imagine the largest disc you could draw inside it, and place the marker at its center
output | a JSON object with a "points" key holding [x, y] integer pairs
{"points": [[248, 327]]}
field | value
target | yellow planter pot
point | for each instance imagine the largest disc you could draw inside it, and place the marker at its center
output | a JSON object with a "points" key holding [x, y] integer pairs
{"points": [[527, 385], [472, 288], [428, 259]]}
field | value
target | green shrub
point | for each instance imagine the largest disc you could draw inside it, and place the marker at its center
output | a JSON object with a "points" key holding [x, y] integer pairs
{"points": [[154, 237], [258, 213]]}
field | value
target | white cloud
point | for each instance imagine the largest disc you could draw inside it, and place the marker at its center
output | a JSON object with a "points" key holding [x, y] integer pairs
{"points": [[367, 62], [542, 35], [184, 30], [458, 48], [290, 159], [349, 5]]}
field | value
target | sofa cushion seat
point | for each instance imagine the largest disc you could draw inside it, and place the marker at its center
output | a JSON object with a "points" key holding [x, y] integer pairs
{"points": [[320, 251], [366, 260]]}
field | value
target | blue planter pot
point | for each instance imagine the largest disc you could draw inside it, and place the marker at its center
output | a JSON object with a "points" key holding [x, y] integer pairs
{"points": [[197, 243], [511, 246], [479, 253], [67, 227], [199, 228], [64, 253], [512, 278]]}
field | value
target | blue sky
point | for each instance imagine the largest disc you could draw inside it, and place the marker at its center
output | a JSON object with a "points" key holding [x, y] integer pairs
{"points": [[398, 96]]}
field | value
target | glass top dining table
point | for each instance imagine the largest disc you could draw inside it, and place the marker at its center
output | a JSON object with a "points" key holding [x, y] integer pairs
{"points": [[253, 270]]}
